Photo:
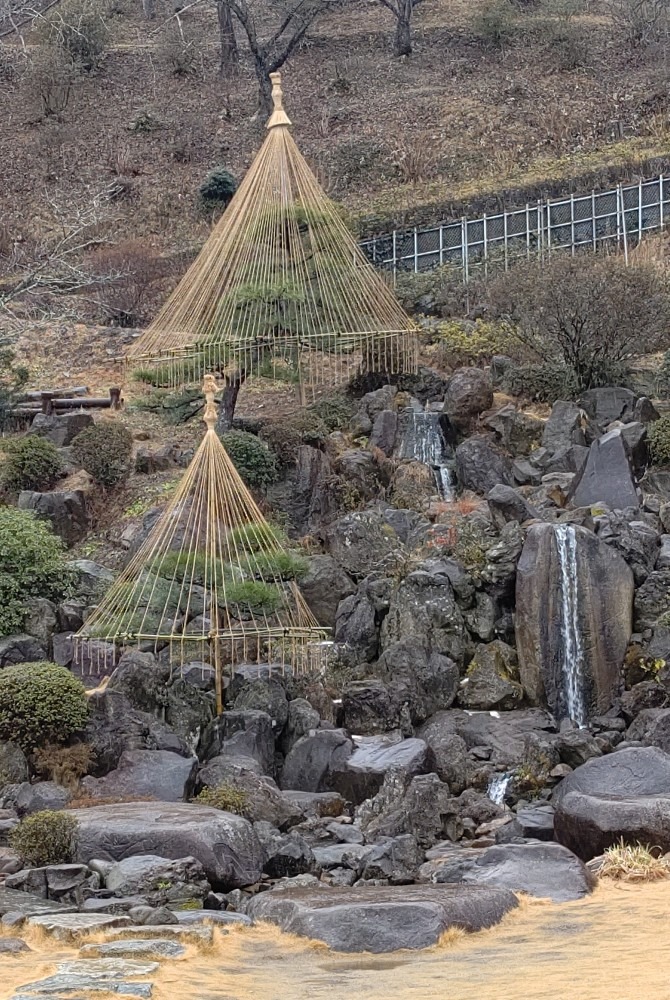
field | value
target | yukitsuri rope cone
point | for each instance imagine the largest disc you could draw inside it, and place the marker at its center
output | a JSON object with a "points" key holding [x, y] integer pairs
{"points": [[213, 582], [280, 289]]}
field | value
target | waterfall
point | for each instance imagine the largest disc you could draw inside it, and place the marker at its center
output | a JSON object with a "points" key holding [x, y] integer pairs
{"points": [[423, 441], [572, 666], [497, 788]]}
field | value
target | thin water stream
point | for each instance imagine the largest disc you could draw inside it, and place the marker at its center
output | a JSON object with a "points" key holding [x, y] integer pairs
{"points": [[423, 441], [571, 634], [614, 945]]}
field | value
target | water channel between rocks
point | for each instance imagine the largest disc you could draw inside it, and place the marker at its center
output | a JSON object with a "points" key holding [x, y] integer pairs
{"points": [[614, 945]]}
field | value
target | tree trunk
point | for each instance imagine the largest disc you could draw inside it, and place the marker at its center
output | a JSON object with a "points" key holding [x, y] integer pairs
{"points": [[229, 400], [264, 88], [402, 45], [229, 55], [149, 8]]}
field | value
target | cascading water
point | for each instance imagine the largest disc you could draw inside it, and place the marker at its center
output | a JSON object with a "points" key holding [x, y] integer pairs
{"points": [[572, 666], [497, 788], [423, 441]]}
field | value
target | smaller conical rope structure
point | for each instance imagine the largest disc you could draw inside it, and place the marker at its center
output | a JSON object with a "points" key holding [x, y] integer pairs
{"points": [[213, 582], [280, 288]]}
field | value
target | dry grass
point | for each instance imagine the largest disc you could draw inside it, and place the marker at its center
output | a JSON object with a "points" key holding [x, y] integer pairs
{"points": [[635, 863]]}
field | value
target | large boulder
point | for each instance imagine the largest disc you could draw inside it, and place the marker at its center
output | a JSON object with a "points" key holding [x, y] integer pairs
{"points": [[607, 477], [426, 682], [362, 774], [225, 845], [516, 431], [565, 427], [608, 404], [574, 597], [364, 541], [420, 806], [382, 918], [61, 429], [492, 679], [469, 393], [370, 707], [311, 763], [263, 802], [538, 869], [323, 586], [506, 504], [241, 734], [423, 610], [157, 774], [502, 736], [621, 795], [356, 624], [21, 648], [480, 465], [13, 765], [65, 510], [652, 600], [159, 880]]}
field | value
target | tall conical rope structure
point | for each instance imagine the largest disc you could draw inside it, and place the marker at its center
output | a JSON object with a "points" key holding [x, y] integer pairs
{"points": [[213, 582], [281, 288]]}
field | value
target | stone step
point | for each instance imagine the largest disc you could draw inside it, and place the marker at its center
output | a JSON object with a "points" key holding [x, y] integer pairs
{"points": [[70, 926], [156, 948], [198, 933]]}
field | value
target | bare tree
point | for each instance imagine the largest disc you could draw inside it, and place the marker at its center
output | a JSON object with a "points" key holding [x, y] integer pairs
{"points": [[229, 54], [402, 11], [270, 54]]}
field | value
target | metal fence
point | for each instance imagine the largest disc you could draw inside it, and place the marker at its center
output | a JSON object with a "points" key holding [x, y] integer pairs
{"points": [[618, 216]]}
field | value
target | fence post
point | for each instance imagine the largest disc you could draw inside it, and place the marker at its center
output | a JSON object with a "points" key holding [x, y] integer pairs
{"points": [[527, 231], [395, 254], [572, 224], [594, 229], [416, 250], [441, 244], [639, 213], [618, 216], [660, 200], [549, 229], [464, 249], [505, 236], [540, 231], [623, 225], [486, 247]]}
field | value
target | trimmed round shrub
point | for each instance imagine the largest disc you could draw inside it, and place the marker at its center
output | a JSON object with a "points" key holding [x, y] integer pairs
{"points": [[254, 461], [218, 187], [48, 837], [105, 451], [32, 564], [40, 703], [659, 441], [33, 463]]}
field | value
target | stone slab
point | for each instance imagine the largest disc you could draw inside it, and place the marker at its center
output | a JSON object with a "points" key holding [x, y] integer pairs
{"points": [[68, 926], [142, 948]]}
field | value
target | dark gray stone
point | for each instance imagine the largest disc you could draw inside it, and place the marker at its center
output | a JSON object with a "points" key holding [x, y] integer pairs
{"points": [[652, 600], [384, 431], [25, 798], [506, 504], [382, 918], [312, 762], [362, 542], [426, 682], [607, 477], [469, 393], [21, 649], [159, 774], [362, 774], [61, 429], [139, 948], [159, 880], [423, 611], [492, 679], [12, 946], [480, 465], [241, 734], [64, 510], [565, 427], [13, 765], [262, 799], [608, 404], [323, 586]]}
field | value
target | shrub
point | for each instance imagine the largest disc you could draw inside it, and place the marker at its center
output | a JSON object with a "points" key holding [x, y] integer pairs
{"points": [[50, 79], [64, 765], [591, 314], [640, 21], [544, 383], [40, 703], [33, 463], [334, 412], [464, 538], [659, 441], [12, 379], [254, 596], [104, 450], [45, 838], [79, 31], [218, 188], [225, 797], [32, 564], [284, 437], [461, 344], [256, 537], [634, 863], [254, 461], [495, 23], [276, 566], [178, 51]]}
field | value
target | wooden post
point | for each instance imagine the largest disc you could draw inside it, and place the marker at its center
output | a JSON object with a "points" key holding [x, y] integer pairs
{"points": [[47, 403], [115, 398]]}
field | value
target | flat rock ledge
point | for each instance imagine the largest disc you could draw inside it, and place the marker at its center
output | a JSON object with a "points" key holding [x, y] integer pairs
{"points": [[382, 918]]}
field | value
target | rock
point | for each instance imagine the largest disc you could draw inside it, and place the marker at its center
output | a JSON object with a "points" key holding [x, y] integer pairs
{"points": [[67, 883], [599, 599], [362, 774], [149, 461], [636, 541], [397, 860], [264, 695], [189, 918], [492, 681], [262, 799], [323, 586], [608, 404], [502, 735], [516, 431], [536, 822], [20, 649], [13, 765], [41, 620], [362, 542], [316, 804], [171, 932], [61, 429], [576, 746], [663, 558], [480, 465], [155, 948], [287, 855], [607, 477], [94, 659], [65, 510], [624, 794], [449, 751], [635, 436], [93, 579], [224, 844], [312, 762], [368, 707], [469, 393], [506, 504], [157, 774], [544, 870], [382, 918], [302, 718], [423, 611], [241, 734], [70, 926], [159, 880], [501, 559], [425, 681], [350, 856], [356, 625], [12, 946], [384, 431], [420, 806], [565, 427], [645, 411], [25, 798], [524, 473], [652, 600]]}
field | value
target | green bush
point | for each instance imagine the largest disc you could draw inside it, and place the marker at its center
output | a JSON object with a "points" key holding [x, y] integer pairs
{"points": [[45, 838], [218, 187], [32, 564], [333, 411], [495, 23], [33, 463], [40, 703], [254, 596], [225, 797], [254, 461], [659, 441], [256, 537], [105, 450], [287, 435], [276, 566], [542, 382]]}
